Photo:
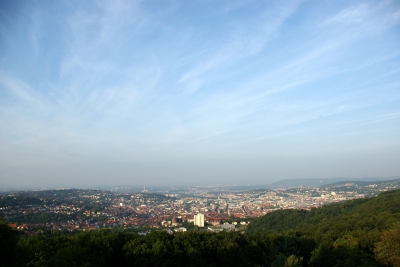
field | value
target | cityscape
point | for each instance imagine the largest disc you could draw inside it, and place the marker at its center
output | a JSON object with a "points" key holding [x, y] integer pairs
{"points": [[213, 208], [200, 133]]}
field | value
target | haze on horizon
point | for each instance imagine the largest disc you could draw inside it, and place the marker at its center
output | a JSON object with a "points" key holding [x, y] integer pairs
{"points": [[208, 92]]}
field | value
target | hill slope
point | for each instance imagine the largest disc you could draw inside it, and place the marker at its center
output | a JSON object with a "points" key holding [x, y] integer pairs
{"points": [[326, 182], [370, 213]]}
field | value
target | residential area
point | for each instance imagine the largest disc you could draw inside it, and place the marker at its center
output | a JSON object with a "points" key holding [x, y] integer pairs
{"points": [[218, 209]]}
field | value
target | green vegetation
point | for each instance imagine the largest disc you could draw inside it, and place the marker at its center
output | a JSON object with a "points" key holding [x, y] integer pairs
{"points": [[157, 248], [43, 218], [388, 249], [9, 201], [362, 232], [359, 214]]}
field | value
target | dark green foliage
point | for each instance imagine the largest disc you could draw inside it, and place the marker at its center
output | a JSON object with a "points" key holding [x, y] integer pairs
{"points": [[158, 248], [8, 242], [84, 249], [370, 213], [43, 218], [7, 201], [345, 233], [387, 250]]}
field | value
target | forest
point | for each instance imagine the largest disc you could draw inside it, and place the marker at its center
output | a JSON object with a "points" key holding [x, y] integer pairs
{"points": [[361, 232]]}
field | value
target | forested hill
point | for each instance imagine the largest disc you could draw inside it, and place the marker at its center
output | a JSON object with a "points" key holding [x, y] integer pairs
{"points": [[375, 213]]}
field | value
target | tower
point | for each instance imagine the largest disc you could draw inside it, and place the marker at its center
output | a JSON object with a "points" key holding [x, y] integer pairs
{"points": [[199, 220]]}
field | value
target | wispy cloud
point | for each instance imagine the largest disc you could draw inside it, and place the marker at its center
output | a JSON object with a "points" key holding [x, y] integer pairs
{"points": [[19, 89], [243, 41], [138, 82], [352, 14]]}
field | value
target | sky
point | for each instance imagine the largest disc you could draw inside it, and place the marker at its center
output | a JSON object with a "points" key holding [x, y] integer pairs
{"points": [[176, 92]]}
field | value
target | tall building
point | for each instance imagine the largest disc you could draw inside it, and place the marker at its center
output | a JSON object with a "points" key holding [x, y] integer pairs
{"points": [[199, 220]]}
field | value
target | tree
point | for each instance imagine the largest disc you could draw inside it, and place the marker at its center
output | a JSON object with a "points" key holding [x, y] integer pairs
{"points": [[387, 250], [279, 261], [323, 255], [8, 242], [293, 261], [348, 252]]}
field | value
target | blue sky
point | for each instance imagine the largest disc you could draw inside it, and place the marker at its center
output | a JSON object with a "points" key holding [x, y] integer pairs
{"points": [[203, 92]]}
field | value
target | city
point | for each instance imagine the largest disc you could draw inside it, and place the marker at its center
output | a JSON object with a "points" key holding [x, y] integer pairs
{"points": [[223, 208], [200, 133]]}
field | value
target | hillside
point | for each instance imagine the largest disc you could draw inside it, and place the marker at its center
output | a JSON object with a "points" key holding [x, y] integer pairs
{"points": [[349, 185], [314, 182], [370, 213]]}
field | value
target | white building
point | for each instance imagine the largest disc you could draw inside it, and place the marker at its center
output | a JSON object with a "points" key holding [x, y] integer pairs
{"points": [[199, 220], [228, 227], [180, 229]]}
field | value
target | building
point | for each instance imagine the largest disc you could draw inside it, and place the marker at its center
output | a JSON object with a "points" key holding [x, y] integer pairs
{"points": [[199, 220], [215, 230], [180, 229], [228, 227]]}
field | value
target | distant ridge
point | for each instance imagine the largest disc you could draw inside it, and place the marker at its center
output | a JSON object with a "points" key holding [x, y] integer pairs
{"points": [[315, 182], [363, 183]]}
